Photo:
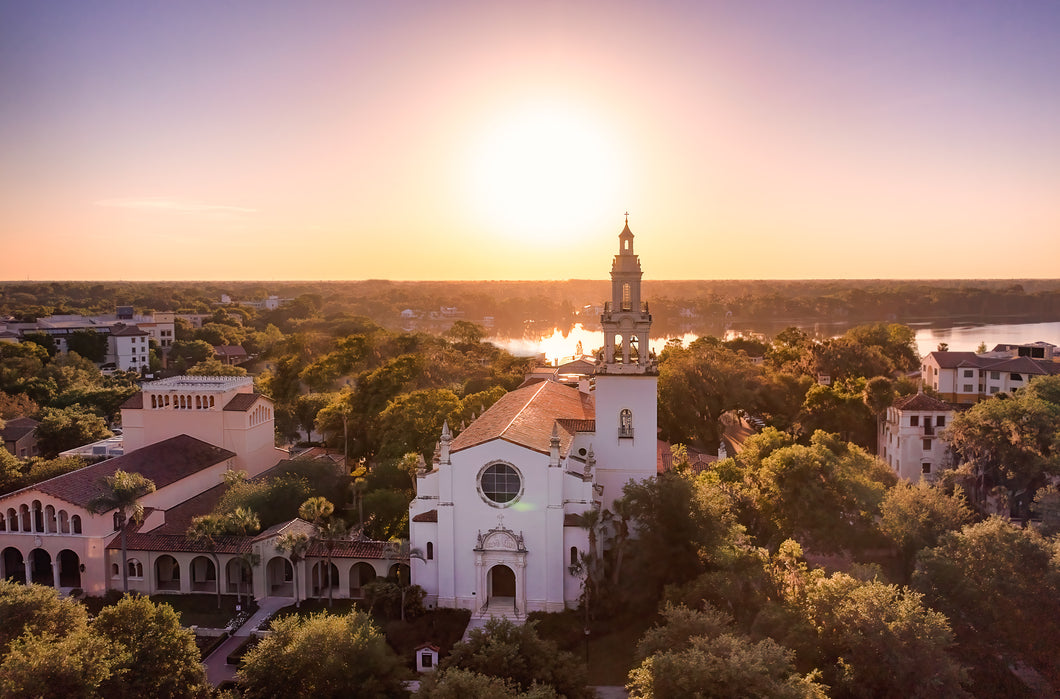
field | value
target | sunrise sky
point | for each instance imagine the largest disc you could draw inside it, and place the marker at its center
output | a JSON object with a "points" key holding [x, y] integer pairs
{"points": [[504, 140]]}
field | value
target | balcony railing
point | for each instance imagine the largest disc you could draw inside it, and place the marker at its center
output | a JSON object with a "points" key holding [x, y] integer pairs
{"points": [[929, 430], [625, 433]]}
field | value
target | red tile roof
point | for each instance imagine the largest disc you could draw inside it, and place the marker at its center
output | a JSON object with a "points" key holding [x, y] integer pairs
{"points": [[18, 428], [126, 331], [351, 549], [428, 516], [164, 462], [527, 415], [572, 520], [178, 543], [230, 350], [922, 401], [242, 402], [178, 517]]}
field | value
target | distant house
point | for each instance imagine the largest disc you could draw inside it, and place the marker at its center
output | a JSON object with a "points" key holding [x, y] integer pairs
{"points": [[967, 377], [910, 437], [20, 437], [230, 354]]}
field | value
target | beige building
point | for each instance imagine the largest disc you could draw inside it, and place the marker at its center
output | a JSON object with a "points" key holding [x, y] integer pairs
{"points": [[965, 378], [184, 433], [910, 438]]}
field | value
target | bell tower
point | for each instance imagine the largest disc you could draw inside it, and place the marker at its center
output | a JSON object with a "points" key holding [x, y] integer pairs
{"points": [[625, 381], [626, 320]]}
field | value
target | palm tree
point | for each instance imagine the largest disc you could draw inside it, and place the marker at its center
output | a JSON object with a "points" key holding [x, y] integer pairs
{"points": [[330, 532], [316, 510], [591, 521], [122, 492], [295, 545], [244, 522], [401, 549], [205, 530]]}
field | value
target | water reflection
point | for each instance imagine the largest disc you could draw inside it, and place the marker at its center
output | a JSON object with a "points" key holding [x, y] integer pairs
{"points": [[560, 344]]}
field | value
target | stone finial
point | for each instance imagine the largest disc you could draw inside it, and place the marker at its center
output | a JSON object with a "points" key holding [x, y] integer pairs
{"points": [[553, 443], [590, 462], [447, 438], [421, 465]]}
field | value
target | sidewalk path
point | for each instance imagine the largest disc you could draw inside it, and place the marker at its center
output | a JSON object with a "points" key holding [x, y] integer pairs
{"points": [[217, 668]]}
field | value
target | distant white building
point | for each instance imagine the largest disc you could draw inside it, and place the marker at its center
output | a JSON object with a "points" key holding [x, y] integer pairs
{"points": [[498, 512], [910, 438], [967, 377]]}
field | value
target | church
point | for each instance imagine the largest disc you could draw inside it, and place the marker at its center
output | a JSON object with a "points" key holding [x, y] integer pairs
{"points": [[497, 513]]}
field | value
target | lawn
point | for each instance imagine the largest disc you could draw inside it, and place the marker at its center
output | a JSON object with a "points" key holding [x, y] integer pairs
{"points": [[201, 610]]}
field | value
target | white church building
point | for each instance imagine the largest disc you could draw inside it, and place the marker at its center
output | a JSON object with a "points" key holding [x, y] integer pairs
{"points": [[497, 515]]}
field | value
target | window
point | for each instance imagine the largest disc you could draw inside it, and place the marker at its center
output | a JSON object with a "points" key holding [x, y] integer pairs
{"points": [[925, 468], [625, 423], [426, 659], [75, 523], [1017, 377], [995, 375], [914, 420], [115, 571], [968, 388], [627, 301], [995, 389], [940, 421], [500, 483], [136, 569], [574, 555], [968, 373], [430, 550], [927, 445]]}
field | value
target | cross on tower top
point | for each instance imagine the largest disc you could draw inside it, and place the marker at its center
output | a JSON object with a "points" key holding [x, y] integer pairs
{"points": [[627, 217]]}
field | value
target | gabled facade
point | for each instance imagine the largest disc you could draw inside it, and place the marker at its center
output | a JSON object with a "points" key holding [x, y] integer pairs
{"points": [[498, 512], [911, 437], [965, 378]]}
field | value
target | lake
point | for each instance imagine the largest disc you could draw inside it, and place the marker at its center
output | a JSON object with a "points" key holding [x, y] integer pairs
{"points": [[961, 338]]}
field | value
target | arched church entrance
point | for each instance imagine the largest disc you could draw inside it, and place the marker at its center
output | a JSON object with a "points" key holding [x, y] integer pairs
{"points": [[502, 582]]}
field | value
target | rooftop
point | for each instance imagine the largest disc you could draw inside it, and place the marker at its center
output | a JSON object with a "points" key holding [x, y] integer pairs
{"points": [[218, 384]]}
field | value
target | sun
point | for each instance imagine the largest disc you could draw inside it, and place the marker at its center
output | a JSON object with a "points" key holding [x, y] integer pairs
{"points": [[547, 171]]}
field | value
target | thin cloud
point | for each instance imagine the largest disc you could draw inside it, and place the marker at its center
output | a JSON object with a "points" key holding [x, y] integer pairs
{"points": [[176, 205]]}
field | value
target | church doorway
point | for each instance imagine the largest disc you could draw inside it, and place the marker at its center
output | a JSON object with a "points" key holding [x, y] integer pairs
{"points": [[502, 582]]}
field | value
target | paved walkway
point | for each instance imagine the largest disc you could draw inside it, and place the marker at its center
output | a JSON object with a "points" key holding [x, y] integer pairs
{"points": [[217, 668]]}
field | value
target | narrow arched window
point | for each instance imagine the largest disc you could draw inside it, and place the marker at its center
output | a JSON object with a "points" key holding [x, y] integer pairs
{"points": [[154, 403], [627, 297], [430, 551], [75, 523], [625, 423], [574, 555]]}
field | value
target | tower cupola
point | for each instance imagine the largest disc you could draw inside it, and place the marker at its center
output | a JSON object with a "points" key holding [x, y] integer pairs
{"points": [[626, 321]]}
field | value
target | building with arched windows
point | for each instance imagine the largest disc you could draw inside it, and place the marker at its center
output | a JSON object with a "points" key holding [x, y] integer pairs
{"points": [[500, 507]]}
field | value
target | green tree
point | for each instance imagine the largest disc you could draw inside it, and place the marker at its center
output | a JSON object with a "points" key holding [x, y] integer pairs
{"points": [[204, 531], [295, 545], [465, 684], [913, 517], [401, 550], [466, 333], [158, 657], [519, 655], [89, 344], [1012, 442], [411, 422], [697, 654], [191, 351], [73, 666], [995, 582], [323, 656], [879, 640], [215, 367], [121, 492], [65, 428], [37, 610]]}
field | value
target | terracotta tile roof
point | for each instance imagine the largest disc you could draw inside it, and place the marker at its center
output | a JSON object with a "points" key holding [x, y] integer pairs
{"points": [[242, 402], [126, 331], [428, 516], [178, 543], [527, 415], [572, 520], [230, 350], [164, 462], [18, 428], [134, 402], [350, 549], [921, 401], [952, 360], [573, 425], [178, 517], [291, 525]]}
